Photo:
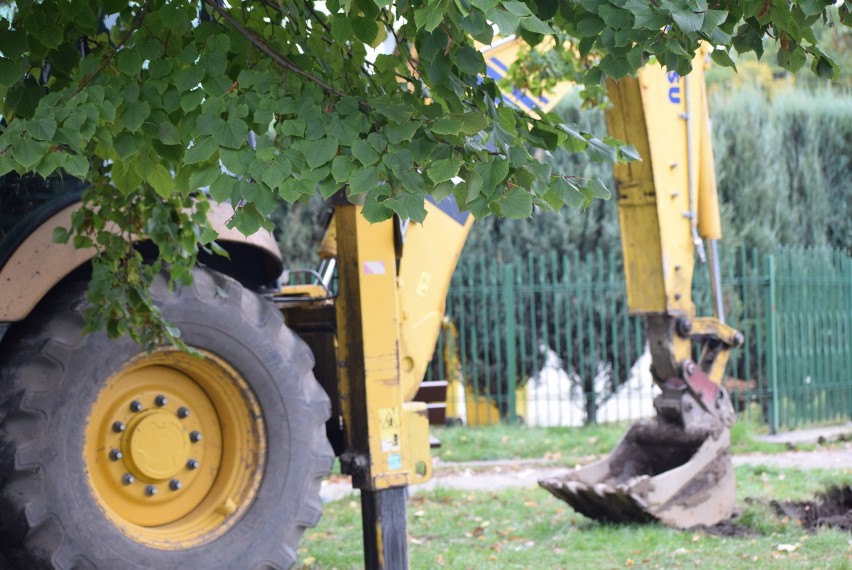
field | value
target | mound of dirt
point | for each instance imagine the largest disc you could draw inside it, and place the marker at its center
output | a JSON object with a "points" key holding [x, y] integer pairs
{"points": [[830, 509]]}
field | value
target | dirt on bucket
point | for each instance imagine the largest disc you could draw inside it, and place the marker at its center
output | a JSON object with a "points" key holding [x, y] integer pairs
{"points": [[830, 509]]}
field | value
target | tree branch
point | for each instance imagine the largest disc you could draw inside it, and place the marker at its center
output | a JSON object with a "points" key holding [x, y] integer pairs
{"points": [[274, 55], [137, 23]]}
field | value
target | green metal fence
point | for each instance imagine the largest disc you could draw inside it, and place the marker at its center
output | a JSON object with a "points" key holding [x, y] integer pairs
{"points": [[548, 338]]}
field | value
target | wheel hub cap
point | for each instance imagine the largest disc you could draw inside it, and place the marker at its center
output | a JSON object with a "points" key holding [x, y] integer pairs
{"points": [[157, 445]]}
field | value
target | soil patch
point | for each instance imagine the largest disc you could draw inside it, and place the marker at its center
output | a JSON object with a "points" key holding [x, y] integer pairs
{"points": [[830, 509], [728, 528]]}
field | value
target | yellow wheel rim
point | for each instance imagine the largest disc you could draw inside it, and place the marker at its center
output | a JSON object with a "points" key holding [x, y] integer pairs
{"points": [[175, 448]]}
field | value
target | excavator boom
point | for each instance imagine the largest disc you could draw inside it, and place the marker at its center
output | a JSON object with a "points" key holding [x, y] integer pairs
{"points": [[676, 467]]}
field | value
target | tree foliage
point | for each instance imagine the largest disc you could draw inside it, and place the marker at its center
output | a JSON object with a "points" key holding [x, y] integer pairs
{"points": [[152, 102]]}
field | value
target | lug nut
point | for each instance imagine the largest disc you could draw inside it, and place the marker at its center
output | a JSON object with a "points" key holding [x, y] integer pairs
{"points": [[150, 490], [192, 464], [175, 485], [135, 406], [161, 400], [194, 437], [128, 479], [115, 455], [118, 427], [183, 412]]}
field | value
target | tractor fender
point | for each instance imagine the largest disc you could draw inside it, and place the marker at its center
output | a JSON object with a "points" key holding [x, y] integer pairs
{"points": [[38, 264]]}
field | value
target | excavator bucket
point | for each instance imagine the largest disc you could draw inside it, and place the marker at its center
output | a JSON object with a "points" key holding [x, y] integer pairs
{"points": [[675, 472], [657, 472]]}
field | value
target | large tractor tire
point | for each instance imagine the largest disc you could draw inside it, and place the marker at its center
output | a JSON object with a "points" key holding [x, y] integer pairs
{"points": [[112, 458]]}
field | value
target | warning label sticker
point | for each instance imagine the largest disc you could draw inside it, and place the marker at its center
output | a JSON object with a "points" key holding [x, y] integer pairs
{"points": [[374, 268], [389, 429], [394, 462]]}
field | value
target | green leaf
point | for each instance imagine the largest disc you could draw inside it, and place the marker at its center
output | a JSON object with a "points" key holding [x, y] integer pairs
{"points": [[599, 151], [161, 181], [615, 18], [246, 220], [42, 128], [615, 67], [320, 151], [812, 7], [204, 176], [595, 188], [408, 206], [222, 189], [713, 19], [824, 67], [492, 174], [442, 190], [569, 193], [264, 201], [134, 114], [128, 144], [535, 25], [517, 8], [191, 100], [364, 153], [402, 132], [232, 133], [644, 15], [10, 72], [721, 57], [60, 235], [395, 111], [472, 123], [364, 180], [28, 153], [342, 167], [129, 61], [277, 172], [447, 126], [365, 29], [345, 130], [505, 21], [484, 5], [375, 209], [792, 59], [470, 61], [168, 133], [201, 151], [430, 17], [517, 204], [688, 21], [50, 163], [77, 166], [443, 170], [629, 153], [589, 26], [341, 27]]}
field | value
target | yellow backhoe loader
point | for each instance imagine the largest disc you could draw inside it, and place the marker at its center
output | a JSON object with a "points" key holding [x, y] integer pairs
{"points": [[112, 457]]}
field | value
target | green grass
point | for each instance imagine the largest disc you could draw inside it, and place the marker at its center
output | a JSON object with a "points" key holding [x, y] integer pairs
{"points": [[567, 445], [528, 528], [562, 444]]}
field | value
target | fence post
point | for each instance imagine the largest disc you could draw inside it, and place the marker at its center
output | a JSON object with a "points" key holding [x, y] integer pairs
{"points": [[511, 338], [772, 341]]}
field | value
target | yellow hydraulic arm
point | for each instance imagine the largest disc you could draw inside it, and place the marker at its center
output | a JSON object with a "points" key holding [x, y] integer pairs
{"points": [[675, 468], [373, 342]]}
